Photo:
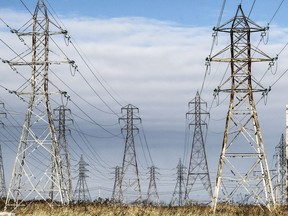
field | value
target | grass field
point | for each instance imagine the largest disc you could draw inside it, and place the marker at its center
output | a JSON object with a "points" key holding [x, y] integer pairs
{"points": [[93, 209]]}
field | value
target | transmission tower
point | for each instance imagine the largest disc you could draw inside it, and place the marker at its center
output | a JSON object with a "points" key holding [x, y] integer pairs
{"points": [[63, 149], [243, 164], [198, 167], [152, 190], [280, 157], [177, 197], [81, 193], [38, 164], [286, 154], [3, 190], [117, 195], [129, 181]]}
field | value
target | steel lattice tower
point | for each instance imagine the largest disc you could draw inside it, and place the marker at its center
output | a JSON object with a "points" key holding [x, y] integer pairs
{"points": [[198, 171], [177, 197], [117, 195], [38, 164], [152, 190], [81, 192], [129, 181], [286, 154], [3, 190], [63, 148], [280, 156], [242, 165]]}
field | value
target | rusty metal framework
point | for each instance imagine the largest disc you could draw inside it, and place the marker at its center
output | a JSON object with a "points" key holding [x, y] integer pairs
{"points": [[129, 179], [243, 164], [198, 172], [38, 169]]}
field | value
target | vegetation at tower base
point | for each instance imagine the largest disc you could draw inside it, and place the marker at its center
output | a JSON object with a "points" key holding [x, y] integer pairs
{"points": [[105, 207]]}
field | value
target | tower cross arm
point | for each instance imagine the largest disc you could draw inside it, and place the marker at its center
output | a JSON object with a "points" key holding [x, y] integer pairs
{"points": [[11, 63]]}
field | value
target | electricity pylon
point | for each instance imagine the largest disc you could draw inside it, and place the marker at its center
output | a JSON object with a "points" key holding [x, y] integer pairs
{"points": [[38, 164], [177, 196], [81, 193], [117, 195], [129, 179], [198, 171], [3, 189], [280, 156], [286, 154], [243, 164], [63, 148], [152, 189]]}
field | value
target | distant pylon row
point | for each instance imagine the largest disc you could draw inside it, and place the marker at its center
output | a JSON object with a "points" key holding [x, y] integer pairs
{"points": [[41, 169], [198, 177], [127, 181]]}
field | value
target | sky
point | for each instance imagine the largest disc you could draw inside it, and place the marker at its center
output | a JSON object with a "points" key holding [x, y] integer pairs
{"points": [[150, 54]]}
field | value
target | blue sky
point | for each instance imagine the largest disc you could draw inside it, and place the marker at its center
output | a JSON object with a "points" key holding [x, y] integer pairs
{"points": [[170, 10], [185, 12], [150, 53]]}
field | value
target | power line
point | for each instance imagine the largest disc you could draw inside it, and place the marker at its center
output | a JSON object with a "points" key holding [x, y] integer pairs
{"points": [[214, 35], [26, 7], [276, 12], [88, 144], [86, 60], [251, 8], [95, 75], [76, 68], [221, 14], [92, 120], [279, 77], [83, 99]]}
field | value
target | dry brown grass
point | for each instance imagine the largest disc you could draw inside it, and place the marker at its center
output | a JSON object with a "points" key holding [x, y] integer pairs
{"points": [[97, 209]]}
